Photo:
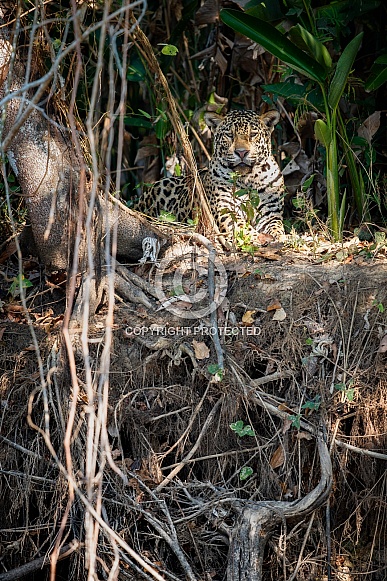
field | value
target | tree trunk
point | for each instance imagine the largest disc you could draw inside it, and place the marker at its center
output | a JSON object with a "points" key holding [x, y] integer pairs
{"points": [[257, 521], [57, 185]]}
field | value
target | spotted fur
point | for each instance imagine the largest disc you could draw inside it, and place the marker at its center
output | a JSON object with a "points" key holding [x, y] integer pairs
{"points": [[242, 161]]}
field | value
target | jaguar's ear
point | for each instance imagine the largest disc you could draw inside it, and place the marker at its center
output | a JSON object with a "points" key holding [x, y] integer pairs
{"points": [[270, 118], [212, 119]]}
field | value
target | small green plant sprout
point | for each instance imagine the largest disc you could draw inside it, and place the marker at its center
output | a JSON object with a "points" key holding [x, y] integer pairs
{"points": [[241, 429], [167, 216], [378, 304], [216, 371], [169, 49], [177, 291], [18, 283], [296, 421], [348, 392], [193, 222], [309, 341], [243, 240], [245, 472], [312, 405], [307, 183]]}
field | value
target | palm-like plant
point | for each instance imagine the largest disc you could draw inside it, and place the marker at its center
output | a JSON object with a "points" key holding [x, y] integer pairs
{"points": [[305, 53]]}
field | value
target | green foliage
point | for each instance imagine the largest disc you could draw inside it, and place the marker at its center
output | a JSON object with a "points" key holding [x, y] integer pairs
{"points": [[296, 421], [242, 429], [177, 291], [274, 42], [378, 74], [19, 283], [216, 371], [305, 53], [312, 404], [245, 472], [167, 216], [170, 50], [379, 305], [343, 68], [347, 391]]}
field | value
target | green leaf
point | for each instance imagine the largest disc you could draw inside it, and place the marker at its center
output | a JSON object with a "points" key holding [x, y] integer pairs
{"points": [[378, 76], [322, 132], [241, 429], [267, 11], [343, 68], [313, 404], [245, 472], [340, 386], [247, 431], [296, 421], [136, 70], [216, 371], [240, 193], [145, 114], [307, 42], [297, 93], [274, 42], [167, 216], [19, 283], [382, 59], [236, 426], [287, 89], [138, 122], [307, 183], [170, 50], [177, 291], [339, 13]]}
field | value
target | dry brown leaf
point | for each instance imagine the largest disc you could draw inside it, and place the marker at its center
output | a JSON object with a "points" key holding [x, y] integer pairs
{"points": [[286, 426], [278, 458], [9, 250], [184, 305], [304, 436], [369, 127], [383, 345], [248, 318], [201, 350], [221, 61], [29, 348], [208, 13], [279, 315], [284, 408], [274, 306], [267, 253], [144, 152], [14, 308]]}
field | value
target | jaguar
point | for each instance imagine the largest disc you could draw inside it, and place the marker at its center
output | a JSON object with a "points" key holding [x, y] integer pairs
{"points": [[243, 183]]}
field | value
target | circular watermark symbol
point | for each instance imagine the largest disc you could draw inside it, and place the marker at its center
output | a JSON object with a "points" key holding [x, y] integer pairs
{"points": [[182, 284]]}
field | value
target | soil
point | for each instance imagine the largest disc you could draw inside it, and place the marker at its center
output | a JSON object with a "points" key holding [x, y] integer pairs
{"points": [[304, 327]]}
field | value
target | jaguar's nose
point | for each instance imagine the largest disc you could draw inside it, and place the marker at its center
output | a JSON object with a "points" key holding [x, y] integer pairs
{"points": [[242, 153]]}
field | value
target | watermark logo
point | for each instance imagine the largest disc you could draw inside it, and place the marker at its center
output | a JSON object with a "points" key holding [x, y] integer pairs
{"points": [[182, 282]]}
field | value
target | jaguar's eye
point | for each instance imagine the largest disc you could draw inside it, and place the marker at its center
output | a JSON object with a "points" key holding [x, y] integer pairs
{"points": [[254, 134]]}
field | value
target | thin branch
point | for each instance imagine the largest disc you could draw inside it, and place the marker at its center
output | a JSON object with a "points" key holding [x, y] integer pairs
{"points": [[181, 465], [32, 566]]}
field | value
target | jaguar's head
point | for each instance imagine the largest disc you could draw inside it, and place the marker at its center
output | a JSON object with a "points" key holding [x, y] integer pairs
{"points": [[242, 139]]}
